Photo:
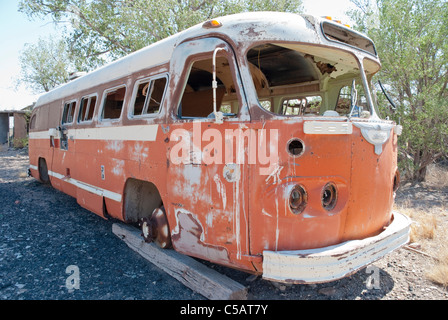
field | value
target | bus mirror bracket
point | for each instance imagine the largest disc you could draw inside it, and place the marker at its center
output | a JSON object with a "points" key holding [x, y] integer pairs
{"points": [[218, 114], [353, 98]]}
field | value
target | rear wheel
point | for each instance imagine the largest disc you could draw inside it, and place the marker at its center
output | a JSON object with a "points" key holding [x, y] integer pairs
{"points": [[155, 228], [43, 171]]}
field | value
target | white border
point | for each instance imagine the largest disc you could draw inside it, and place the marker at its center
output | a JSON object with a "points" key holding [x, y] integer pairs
{"points": [[147, 132]]}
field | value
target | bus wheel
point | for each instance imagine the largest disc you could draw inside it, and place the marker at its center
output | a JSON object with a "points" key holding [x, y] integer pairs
{"points": [[43, 171], [155, 228]]}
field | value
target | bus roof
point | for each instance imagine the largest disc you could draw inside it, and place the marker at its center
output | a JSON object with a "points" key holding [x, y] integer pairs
{"points": [[243, 29]]}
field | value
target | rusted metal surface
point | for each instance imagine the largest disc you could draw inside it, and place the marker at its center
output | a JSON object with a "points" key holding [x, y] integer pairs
{"points": [[155, 229], [234, 191]]}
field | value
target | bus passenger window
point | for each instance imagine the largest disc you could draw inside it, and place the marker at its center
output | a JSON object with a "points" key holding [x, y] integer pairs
{"points": [[87, 107], [113, 103], [197, 99], [302, 106], [149, 96], [155, 96], [69, 112]]}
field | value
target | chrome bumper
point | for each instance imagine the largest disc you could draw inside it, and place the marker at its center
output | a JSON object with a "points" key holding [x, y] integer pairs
{"points": [[338, 261]]}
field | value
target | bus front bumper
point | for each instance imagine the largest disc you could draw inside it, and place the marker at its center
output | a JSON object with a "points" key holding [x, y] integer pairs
{"points": [[337, 261]]}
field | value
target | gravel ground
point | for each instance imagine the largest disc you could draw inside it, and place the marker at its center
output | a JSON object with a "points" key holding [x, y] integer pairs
{"points": [[46, 239]]}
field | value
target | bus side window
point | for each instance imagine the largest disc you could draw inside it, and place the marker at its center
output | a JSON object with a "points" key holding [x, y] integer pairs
{"points": [[197, 99], [87, 106], [148, 97], [113, 103], [69, 112]]}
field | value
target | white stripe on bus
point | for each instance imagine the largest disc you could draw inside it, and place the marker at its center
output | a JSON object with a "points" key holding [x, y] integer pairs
{"points": [[122, 133], [82, 185]]}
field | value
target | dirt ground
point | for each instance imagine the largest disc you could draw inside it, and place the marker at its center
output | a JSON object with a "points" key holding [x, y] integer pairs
{"points": [[45, 232]]}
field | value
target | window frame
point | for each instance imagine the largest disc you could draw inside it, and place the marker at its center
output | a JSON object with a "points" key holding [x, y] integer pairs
{"points": [[298, 97], [235, 75], [103, 101], [137, 84], [74, 111], [88, 96]]}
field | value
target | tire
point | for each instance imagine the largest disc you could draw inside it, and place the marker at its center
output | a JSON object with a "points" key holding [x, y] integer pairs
{"points": [[43, 171]]}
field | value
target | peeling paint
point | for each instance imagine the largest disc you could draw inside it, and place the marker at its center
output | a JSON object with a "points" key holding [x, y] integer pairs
{"points": [[221, 188], [231, 172], [275, 174], [188, 237], [118, 167], [259, 191], [265, 213], [115, 145]]}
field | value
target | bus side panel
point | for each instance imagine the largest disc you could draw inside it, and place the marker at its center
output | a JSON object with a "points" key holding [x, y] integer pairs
{"points": [[371, 198], [208, 202], [63, 168], [119, 160], [324, 159], [86, 175]]}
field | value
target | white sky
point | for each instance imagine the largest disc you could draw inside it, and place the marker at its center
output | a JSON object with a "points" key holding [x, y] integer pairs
{"points": [[16, 30]]}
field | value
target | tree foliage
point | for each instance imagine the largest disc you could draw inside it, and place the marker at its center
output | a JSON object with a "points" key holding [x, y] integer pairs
{"points": [[98, 31], [411, 41], [45, 65]]}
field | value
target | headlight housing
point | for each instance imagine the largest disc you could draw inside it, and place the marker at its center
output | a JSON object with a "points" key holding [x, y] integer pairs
{"points": [[329, 196], [298, 199]]}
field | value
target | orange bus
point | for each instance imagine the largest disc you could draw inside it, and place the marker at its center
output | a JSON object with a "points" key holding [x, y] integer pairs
{"points": [[252, 141]]}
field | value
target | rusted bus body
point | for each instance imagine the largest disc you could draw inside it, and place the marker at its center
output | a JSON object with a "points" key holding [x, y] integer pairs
{"points": [[269, 171]]}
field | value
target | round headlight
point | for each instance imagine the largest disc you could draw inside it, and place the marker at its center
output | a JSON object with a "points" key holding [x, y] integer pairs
{"points": [[329, 196], [297, 199]]}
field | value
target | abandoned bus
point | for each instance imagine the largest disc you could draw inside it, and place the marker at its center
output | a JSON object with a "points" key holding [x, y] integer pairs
{"points": [[252, 141]]}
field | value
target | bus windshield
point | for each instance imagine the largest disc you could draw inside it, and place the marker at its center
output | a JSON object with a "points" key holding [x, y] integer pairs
{"points": [[304, 80]]}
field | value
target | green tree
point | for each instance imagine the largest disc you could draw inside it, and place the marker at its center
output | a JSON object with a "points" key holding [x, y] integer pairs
{"points": [[102, 30], [44, 65], [411, 40]]}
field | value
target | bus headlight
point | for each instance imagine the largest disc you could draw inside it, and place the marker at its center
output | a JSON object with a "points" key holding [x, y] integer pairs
{"points": [[329, 196], [297, 199]]}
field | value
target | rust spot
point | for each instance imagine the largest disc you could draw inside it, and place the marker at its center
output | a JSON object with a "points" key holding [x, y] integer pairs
{"points": [[250, 32], [325, 67], [322, 66], [155, 228], [188, 238]]}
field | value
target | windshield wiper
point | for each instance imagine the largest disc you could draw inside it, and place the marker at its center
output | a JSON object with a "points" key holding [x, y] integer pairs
{"points": [[394, 107]]}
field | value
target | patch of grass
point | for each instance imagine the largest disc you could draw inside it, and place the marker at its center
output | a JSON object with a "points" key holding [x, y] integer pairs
{"points": [[439, 273], [424, 224], [429, 229], [437, 176]]}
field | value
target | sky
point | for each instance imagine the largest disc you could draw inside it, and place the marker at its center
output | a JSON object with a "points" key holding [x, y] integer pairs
{"points": [[16, 30]]}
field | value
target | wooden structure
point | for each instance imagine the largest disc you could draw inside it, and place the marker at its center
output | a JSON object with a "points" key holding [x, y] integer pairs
{"points": [[187, 270]]}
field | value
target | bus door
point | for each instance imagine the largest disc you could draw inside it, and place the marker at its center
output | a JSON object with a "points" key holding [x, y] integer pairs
{"points": [[207, 176], [63, 161]]}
